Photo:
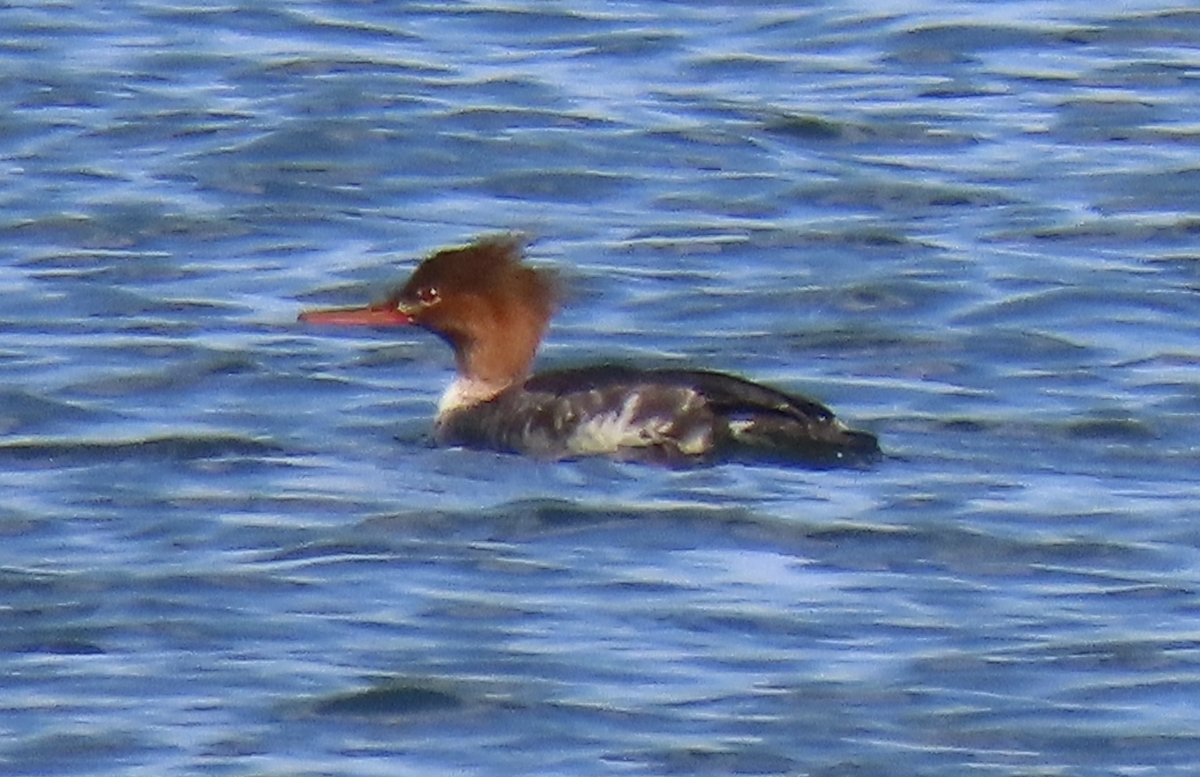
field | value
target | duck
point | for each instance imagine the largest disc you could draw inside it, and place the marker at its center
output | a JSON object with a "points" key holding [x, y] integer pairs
{"points": [[493, 310]]}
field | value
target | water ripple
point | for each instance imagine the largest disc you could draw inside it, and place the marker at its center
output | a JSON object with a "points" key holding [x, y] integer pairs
{"points": [[228, 538]]}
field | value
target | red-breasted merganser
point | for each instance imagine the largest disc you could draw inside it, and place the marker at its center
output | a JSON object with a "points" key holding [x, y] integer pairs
{"points": [[493, 311]]}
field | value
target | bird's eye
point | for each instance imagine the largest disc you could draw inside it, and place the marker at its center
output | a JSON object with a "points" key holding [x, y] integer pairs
{"points": [[428, 295]]}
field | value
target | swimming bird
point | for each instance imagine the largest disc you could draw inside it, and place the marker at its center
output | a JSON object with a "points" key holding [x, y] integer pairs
{"points": [[493, 310]]}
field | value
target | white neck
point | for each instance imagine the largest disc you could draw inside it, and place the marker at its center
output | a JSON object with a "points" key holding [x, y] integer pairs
{"points": [[465, 392]]}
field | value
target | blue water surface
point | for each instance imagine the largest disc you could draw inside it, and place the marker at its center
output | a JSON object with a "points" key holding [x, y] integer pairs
{"points": [[228, 545]]}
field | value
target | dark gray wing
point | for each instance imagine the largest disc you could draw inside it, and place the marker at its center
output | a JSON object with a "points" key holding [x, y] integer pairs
{"points": [[748, 417]]}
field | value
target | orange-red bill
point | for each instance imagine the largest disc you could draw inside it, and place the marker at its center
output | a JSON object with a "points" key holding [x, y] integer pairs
{"points": [[368, 316]]}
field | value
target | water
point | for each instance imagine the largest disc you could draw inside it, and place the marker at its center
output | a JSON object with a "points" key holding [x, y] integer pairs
{"points": [[230, 548]]}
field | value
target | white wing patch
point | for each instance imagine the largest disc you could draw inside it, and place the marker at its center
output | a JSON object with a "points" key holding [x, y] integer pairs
{"points": [[607, 432], [628, 427]]}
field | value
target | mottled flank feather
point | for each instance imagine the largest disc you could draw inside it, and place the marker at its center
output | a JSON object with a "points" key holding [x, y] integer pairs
{"points": [[676, 416]]}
